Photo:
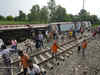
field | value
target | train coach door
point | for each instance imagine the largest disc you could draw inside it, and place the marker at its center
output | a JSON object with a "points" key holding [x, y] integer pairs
{"points": [[58, 28]]}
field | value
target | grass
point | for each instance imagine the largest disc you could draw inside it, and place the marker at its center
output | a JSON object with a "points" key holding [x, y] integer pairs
{"points": [[19, 22], [95, 25]]}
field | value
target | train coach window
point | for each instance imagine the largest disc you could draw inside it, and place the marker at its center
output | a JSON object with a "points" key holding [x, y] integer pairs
{"points": [[66, 27]]}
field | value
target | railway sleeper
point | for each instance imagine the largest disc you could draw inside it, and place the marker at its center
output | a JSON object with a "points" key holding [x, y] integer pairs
{"points": [[42, 57], [36, 60], [48, 54], [49, 65], [60, 50], [68, 54], [62, 58]]}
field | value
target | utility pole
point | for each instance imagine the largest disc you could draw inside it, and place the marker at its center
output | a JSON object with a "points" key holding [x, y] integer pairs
{"points": [[83, 8], [83, 3]]}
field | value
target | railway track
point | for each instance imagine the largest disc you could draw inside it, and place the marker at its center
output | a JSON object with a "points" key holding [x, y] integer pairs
{"points": [[45, 57], [40, 57]]}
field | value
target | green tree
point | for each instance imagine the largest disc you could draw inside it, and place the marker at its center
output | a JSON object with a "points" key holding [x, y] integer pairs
{"points": [[10, 18], [52, 8], [16, 18], [2, 18], [69, 17], [34, 14], [60, 14], [44, 14], [84, 15], [94, 19], [76, 18], [22, 16]]}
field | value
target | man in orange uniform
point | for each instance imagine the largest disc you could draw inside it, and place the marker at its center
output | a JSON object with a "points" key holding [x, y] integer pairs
{"points": [[84, 46], [54, 48], [24, 61]]}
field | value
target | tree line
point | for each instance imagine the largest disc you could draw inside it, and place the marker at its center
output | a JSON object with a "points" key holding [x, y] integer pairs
{"points": [[51, 13]]}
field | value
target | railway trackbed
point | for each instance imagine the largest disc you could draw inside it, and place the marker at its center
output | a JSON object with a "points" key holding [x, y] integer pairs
{"points": [[45, 57]]}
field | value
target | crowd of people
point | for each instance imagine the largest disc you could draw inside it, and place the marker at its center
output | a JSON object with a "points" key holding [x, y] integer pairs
{"points": [[29, 67]]}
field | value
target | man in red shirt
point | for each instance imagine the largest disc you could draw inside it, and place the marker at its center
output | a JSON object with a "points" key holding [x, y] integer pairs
{"points": [[24, 61]]}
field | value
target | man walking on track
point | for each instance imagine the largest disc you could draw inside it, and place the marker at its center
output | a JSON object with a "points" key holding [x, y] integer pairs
{"points": [[70, 34], [33, 69], [7, 63], [79, 46], [94, 34], [54, 48], [84, 46], [81, 31], [37, 45], [41, 38], [74, 34], [24, 61]]}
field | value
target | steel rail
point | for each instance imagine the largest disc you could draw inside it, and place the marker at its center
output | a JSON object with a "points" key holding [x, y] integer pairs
{"points": [[42, 62]]}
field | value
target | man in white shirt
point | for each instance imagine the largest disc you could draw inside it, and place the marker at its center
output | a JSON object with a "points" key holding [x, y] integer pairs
{"points": [[41, 39], [79, 44], [33, 69], [1, 43]]}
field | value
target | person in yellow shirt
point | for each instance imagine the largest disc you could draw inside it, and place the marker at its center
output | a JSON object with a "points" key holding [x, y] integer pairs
{"points": [[70, 34]]}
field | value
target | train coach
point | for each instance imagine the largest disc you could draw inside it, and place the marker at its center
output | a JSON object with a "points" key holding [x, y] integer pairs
{"points": [[66, 26], [20, 32]]}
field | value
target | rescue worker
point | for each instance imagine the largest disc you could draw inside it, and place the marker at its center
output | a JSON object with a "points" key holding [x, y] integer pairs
{"points": [[84, 46], [54, 48], [24, 61]]}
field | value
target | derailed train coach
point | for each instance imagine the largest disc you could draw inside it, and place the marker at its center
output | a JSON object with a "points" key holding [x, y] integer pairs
{"points": [[66, 26], [20, 32]]}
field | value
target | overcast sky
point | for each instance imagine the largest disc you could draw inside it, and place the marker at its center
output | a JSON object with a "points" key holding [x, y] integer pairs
{"points": [[11, 7]]}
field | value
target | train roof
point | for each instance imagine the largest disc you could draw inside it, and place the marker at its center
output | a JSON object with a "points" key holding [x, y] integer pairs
{"points": [[26, 26], [39, 25], [62, 23], [11, 27], [68, 22]]}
